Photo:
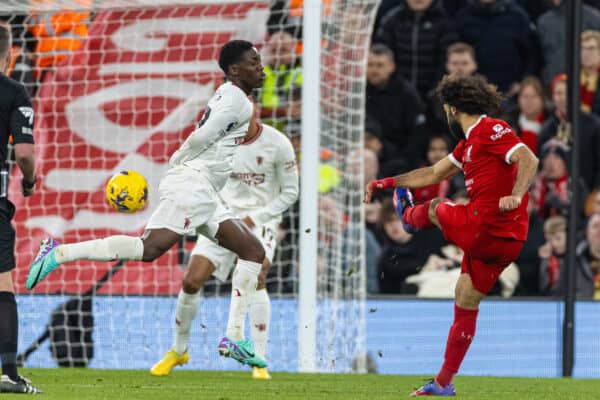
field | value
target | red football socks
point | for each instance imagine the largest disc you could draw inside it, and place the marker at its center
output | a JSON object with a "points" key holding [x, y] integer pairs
{"points": [[459, 339], [418, 216]]}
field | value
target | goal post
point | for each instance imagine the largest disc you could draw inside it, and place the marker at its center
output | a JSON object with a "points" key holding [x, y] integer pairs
{"points": [[123, 94], [309, 195]]}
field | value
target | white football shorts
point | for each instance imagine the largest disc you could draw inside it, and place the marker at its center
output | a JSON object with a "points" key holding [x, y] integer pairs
{"points": [[224, 260], [189, 204]]}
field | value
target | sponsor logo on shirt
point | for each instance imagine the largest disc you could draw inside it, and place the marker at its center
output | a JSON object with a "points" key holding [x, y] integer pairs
{"points": [[249, 178], [500, 131]]}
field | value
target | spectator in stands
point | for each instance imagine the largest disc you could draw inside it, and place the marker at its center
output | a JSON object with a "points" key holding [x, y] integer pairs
{"points": [[394, 104], [279, 96], [596, 205], [527, 116], [590, 64], [587, 273], [551, 28], [57, 33], [372, 212], [418, 32], [588, 259], [437, 149], [550, 192], [460, 60], [556, 127], [552, 255], [504, 41], [529, 260], [403, 254]]}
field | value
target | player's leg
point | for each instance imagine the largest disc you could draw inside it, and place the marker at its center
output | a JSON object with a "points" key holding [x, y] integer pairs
{"points": [[51, 255], [234, 235], [415, 217], [260, 317], [10, 381], [199, 270]]}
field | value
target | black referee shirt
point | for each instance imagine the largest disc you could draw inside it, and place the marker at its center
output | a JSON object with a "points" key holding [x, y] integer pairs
{"points": [[16, 115]]}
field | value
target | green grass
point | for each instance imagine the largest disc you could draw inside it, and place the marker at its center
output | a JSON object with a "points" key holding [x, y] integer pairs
{"points": [[82, 384]]}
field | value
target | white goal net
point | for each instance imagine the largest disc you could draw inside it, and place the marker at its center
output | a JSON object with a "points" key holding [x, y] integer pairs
{"points": [[119, 84]]}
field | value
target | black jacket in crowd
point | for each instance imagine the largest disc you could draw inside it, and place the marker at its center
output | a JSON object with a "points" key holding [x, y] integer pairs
{"points": [[398, 109], [419, 42], [504, 40], [589, 158]]}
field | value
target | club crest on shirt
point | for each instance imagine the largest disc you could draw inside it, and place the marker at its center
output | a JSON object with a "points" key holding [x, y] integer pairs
{"points": [[259, 160]]}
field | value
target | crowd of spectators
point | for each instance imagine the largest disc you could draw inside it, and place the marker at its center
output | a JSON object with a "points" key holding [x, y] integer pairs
{"points": [[519, 46]]}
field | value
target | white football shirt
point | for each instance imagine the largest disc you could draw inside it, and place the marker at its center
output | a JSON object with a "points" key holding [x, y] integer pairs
{"points": [[210, 148], [264, 181]]}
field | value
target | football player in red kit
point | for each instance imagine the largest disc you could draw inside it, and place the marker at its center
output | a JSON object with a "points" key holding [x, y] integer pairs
{"points": [[492, 227]]}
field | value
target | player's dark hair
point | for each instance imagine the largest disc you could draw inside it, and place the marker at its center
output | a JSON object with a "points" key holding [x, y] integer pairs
{"points": [[5, 38], [231, 53], [472, 95]]}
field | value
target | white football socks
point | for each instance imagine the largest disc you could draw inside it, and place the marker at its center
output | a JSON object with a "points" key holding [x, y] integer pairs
{"points": [[243, 287], [118, 247], [187, 307], [260, 315]]}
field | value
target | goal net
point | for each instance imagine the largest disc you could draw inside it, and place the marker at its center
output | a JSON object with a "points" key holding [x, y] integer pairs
{"points": [[119, 84]]}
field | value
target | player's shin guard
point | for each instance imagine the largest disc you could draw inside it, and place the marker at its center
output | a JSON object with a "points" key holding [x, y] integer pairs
{"points": [[118, 247], [459, 339], [243, 287], [260, 315], [8, 334], [187, 307], [418, 216]]}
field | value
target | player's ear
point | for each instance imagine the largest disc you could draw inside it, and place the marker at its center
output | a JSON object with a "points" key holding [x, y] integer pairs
{"points": [[234, 70]]}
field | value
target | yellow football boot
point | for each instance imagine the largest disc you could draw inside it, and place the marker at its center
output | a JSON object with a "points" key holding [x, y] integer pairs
{"points": [[260, 373], [168, 362]]}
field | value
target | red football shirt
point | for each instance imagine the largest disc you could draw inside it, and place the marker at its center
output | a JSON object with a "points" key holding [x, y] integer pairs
{"points": [[484, 157]]}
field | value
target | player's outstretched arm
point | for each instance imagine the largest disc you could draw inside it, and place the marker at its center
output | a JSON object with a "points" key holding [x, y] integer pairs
{"points": [[414, 179], [527, 164]]}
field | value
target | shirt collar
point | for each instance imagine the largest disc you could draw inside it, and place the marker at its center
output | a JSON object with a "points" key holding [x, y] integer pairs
{"points": [[468, 132]]}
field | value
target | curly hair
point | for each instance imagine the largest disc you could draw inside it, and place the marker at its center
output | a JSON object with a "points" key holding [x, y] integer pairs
{"points": [[472, 95]]}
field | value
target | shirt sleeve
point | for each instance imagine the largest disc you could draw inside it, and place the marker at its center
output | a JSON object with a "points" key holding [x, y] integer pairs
{"points": [[503, 142], [217, 121], [457, 154], [21, 118], [287, 176]]}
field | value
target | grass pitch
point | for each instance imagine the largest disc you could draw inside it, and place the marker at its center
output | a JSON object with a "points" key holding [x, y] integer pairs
{"points": [[84, 384]]}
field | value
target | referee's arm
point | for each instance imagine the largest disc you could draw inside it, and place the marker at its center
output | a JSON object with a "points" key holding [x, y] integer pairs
{"points": [[21, 127]]}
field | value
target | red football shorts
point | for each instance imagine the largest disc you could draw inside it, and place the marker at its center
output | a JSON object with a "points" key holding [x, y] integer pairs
{"points": [[485, 256]]}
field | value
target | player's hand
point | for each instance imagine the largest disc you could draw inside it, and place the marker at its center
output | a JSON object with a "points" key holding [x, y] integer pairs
{"points": [[248, 221], [509, 203], [376, 186], [27, 187]]}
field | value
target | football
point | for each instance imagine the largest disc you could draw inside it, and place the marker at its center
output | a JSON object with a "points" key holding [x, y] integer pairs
{"points": [[127, 191]]}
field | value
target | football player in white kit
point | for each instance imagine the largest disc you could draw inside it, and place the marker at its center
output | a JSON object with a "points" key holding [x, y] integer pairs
{"points": [[189, 200], [263, 184]]}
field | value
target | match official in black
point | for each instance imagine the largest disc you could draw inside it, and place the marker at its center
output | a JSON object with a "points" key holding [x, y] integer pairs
{"points": [[16, 120]]}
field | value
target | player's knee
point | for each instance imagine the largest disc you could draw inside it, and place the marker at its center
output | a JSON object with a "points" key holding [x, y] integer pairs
{"points": [[152, 252], [190, 285], [432, 206]]}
